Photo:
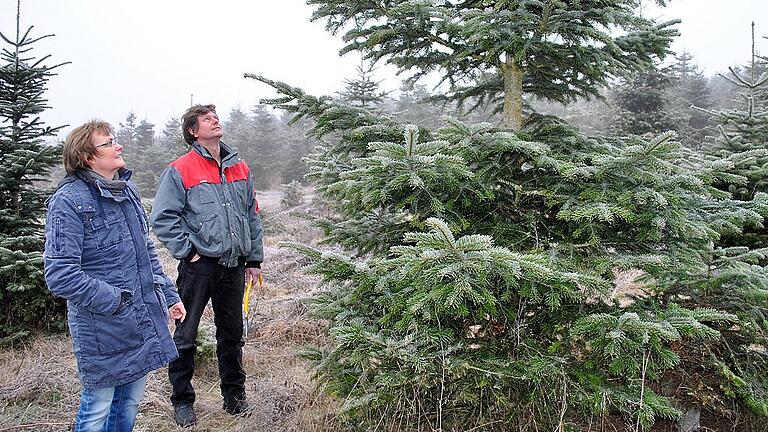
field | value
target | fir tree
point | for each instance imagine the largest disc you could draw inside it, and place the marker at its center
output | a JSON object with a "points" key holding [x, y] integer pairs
{"points": [[171, 141], [495, 51], [240, 134], [689, 87], [363, 91], [413, 106], [264, 150], [471, 286], [742, 137], [642, 106], [156, 153], [25, 162], [298, 147], [126, 131], [141, 153], [460, 322], [755, 71]]}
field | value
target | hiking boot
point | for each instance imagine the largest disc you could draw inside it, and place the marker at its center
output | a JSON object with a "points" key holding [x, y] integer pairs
{"points": [[185, 415], [238, 407]]}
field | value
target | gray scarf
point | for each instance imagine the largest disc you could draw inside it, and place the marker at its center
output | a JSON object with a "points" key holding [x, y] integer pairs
{"points": [[115, 185]]}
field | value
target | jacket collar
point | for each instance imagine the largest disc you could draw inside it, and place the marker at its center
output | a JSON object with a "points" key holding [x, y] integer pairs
{"points": [[99, 184], [229, 156]]}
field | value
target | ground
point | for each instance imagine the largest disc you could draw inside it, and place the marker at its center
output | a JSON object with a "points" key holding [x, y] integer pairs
{"points": [[39, 389]]}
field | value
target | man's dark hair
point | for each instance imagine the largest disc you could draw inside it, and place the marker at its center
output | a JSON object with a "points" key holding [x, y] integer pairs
{"points": [[189, 120]]}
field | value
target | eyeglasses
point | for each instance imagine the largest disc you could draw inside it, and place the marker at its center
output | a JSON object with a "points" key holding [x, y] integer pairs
{"points": [[109, 143]]}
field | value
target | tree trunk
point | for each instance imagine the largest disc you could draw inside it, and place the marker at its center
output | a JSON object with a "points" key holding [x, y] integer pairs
{"points": [[513, 95]]}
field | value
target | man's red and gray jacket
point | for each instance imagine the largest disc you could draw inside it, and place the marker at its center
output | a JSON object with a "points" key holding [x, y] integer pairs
{"points": [[209, 209]]}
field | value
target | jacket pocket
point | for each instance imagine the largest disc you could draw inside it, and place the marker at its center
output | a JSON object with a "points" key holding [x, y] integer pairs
{"points": [[119, 332], [207, 230], [245, 236], [106, 230], [55, 236]]}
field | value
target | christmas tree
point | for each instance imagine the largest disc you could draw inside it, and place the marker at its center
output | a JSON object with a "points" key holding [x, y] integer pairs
{"points": [[494, 51], [140, 150], [25, 161], [476, 287], [741, 136], [642, 106], [689, 87], [363, 91]]}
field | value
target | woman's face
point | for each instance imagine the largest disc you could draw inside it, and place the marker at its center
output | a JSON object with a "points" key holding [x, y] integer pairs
{"points": [[108, 157]]}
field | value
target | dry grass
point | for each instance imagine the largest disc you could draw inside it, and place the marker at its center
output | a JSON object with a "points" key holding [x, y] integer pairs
{"points": [[39, 389]]}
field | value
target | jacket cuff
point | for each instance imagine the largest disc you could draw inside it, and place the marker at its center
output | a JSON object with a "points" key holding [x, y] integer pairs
{"points": [[251, 264], [191, 254]]}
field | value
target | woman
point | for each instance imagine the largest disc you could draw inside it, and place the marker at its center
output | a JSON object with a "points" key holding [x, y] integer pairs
{"points": [[99, 257]]}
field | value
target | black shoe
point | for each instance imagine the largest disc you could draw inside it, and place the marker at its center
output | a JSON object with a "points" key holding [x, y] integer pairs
{"points": [[238, 407], [185, 415]]}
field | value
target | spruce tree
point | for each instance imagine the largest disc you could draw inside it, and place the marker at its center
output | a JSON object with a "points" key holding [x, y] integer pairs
{"points": [[642, 106], [265, 150], [413, 106], [171, 141], [742, 136], [495, 51], [298, 147], [25, 162], [689, 87], [470, 287], [168, 146], [143, 156], [126, 131], [363, 91]]}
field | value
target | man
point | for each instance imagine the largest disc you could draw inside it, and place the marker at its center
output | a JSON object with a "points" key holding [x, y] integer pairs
{"points": [[99, 257], [206, 215]]}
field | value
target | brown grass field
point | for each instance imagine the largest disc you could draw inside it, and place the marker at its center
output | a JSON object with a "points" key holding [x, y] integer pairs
{"points": [[39, 389]]}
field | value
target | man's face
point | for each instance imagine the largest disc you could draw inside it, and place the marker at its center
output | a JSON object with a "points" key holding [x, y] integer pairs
{"points": [[208, 127], [109, 154]]}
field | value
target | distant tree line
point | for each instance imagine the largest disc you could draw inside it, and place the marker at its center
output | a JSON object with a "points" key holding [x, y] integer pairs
{"points": [[676, 97]]}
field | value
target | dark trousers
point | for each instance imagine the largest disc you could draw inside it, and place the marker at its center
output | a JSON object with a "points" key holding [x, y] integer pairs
{"points": [[199, 281]]}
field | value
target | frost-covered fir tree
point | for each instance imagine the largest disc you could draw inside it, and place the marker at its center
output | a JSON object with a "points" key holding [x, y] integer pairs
{"points": [[171, 142], [744, 126], [154, 153], [266, 150], [494, 51], [126, 131], [25, 161], [140, 150], [741, 135], [475, 287], [689, 87], [363, 91], [642, 106], [296, 147]]}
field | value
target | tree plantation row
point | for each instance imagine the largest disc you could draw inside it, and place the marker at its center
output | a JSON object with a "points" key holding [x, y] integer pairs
{"points": [[469, 261]]}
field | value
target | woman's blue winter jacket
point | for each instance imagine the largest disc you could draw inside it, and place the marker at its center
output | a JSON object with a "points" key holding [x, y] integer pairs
{"points": [[99, 257]]}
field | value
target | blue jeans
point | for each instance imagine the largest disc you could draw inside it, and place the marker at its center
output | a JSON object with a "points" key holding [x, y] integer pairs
{"points": [[110, 409]]}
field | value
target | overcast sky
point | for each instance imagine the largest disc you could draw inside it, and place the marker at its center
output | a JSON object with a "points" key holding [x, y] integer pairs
{"points": [[152, 57]]}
